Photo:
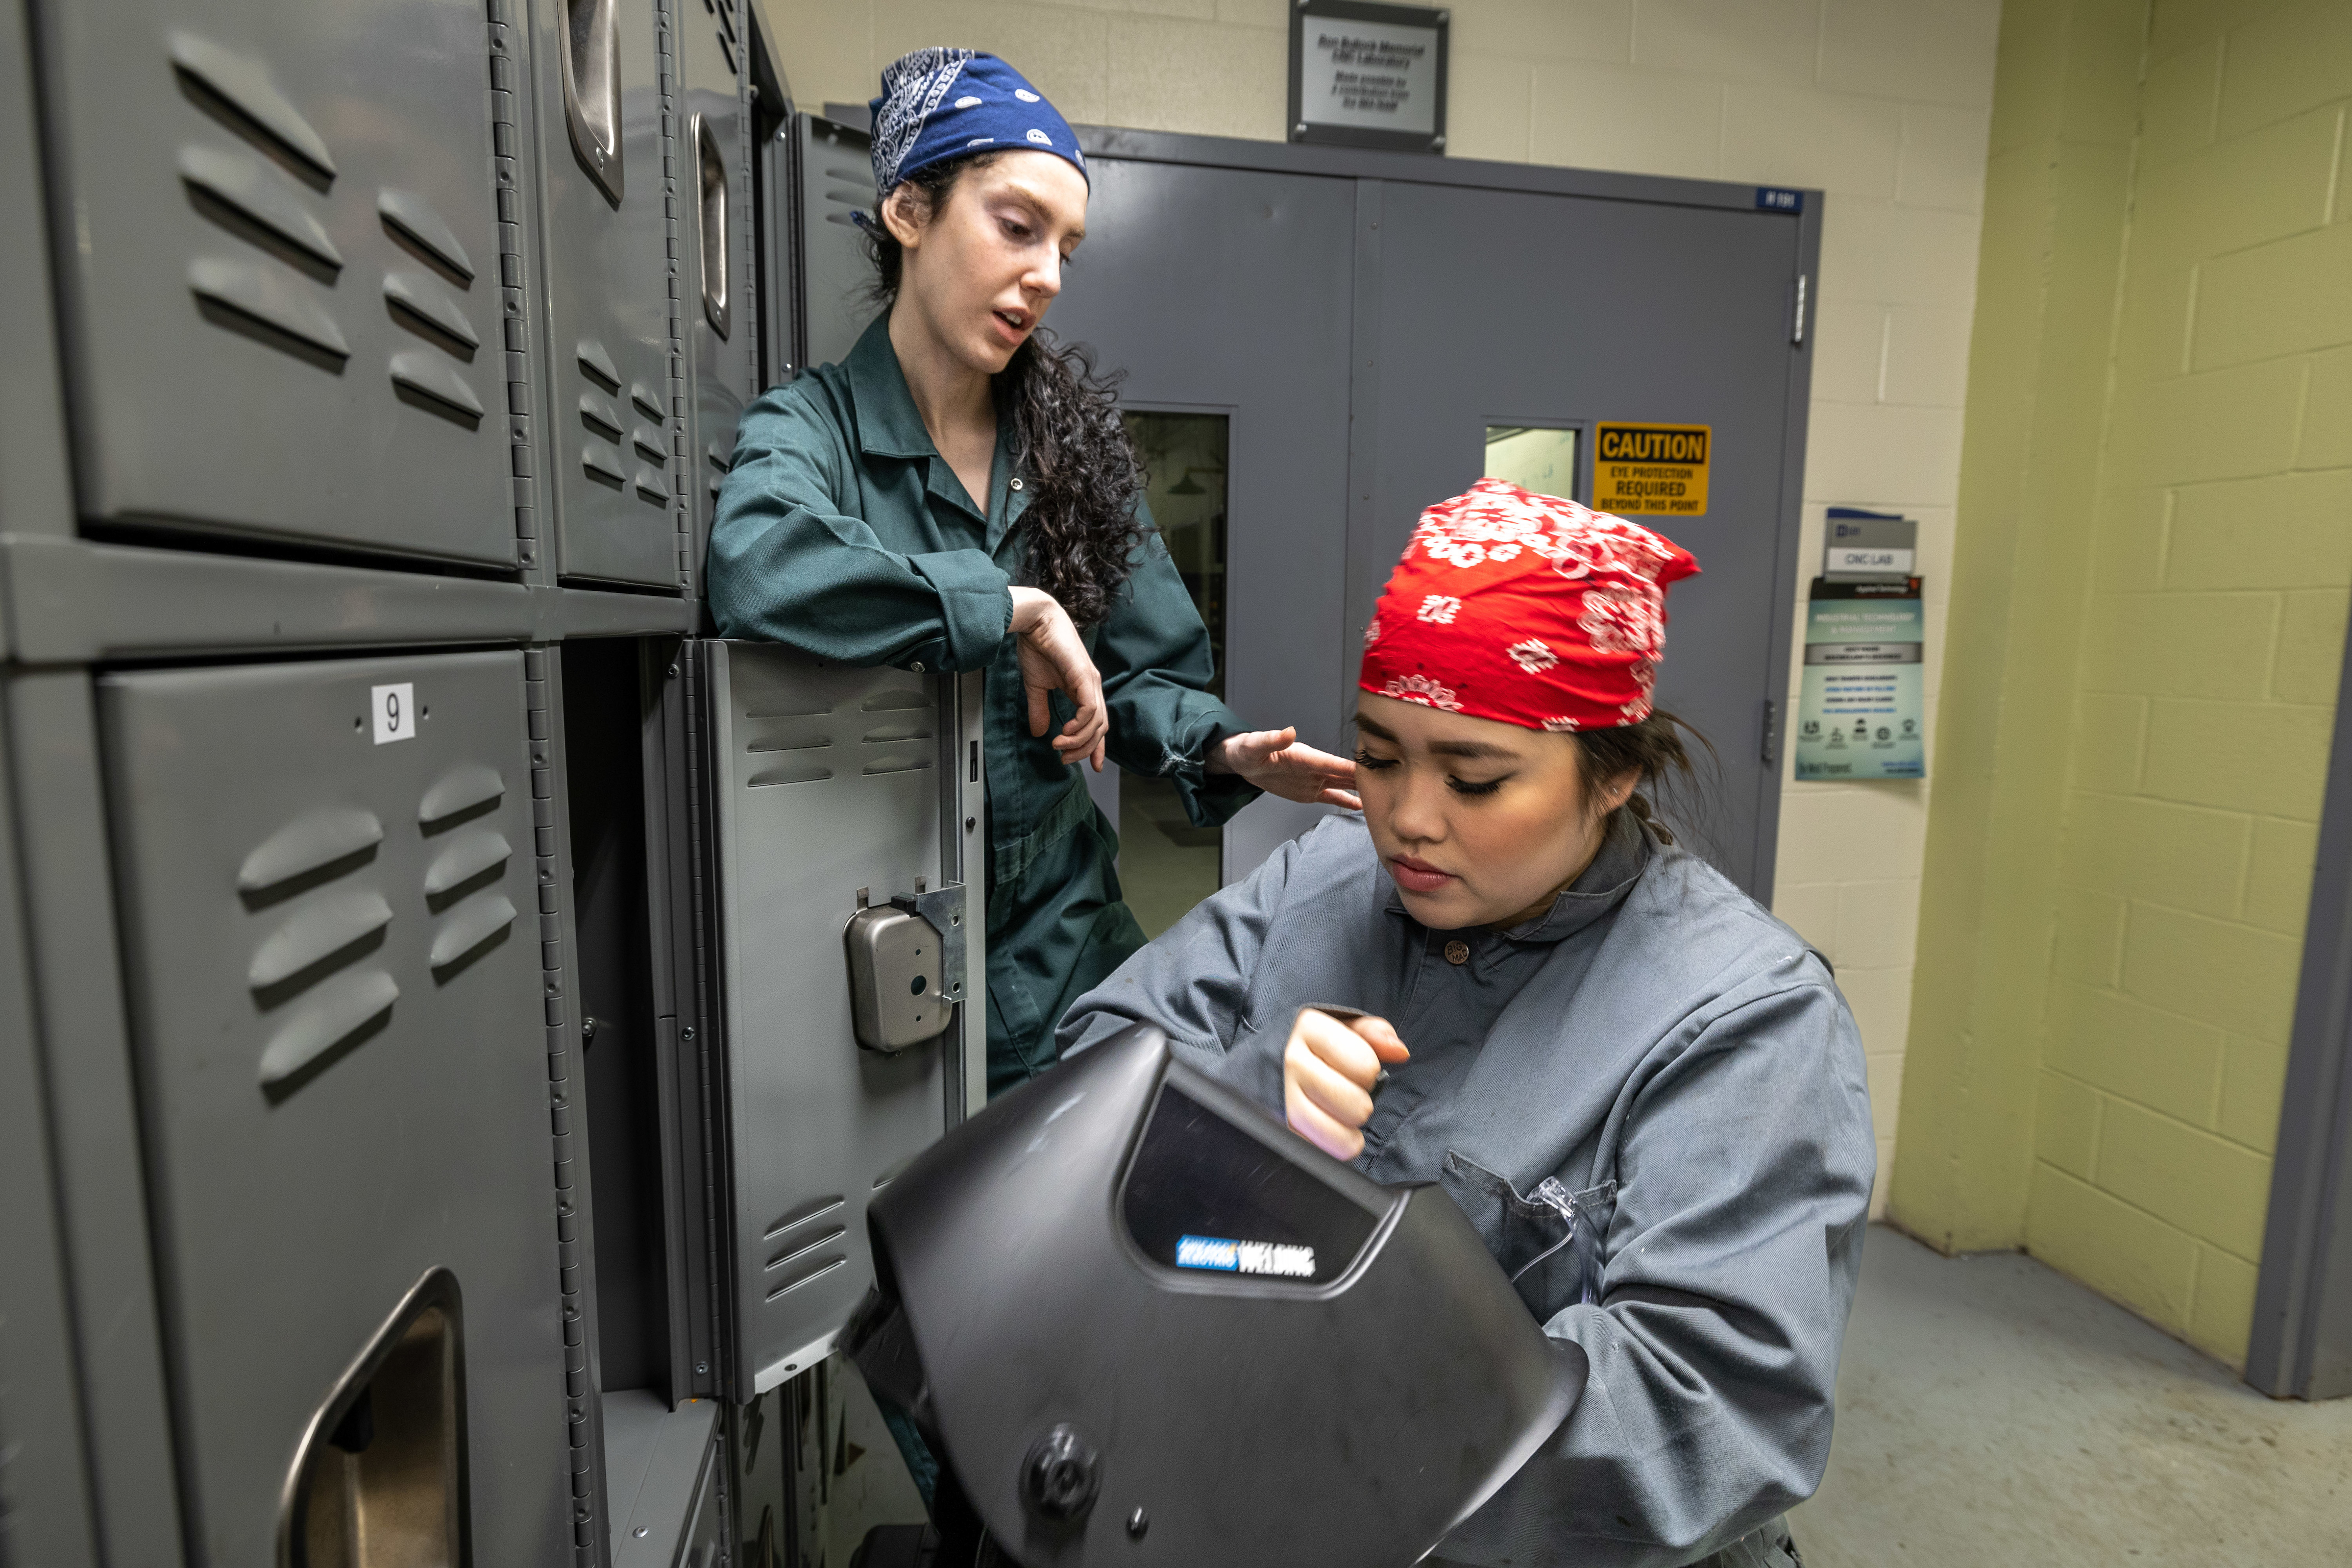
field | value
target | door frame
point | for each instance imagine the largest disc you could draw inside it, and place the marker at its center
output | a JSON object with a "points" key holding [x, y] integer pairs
{"points": [[2301, 1345]]}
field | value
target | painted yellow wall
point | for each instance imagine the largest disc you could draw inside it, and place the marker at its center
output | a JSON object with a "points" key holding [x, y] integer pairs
{"points": [[1883, 104], [2148, 612]]}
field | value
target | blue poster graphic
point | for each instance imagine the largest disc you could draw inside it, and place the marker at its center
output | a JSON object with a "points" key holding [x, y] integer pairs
{"points": [[1859, 707]]}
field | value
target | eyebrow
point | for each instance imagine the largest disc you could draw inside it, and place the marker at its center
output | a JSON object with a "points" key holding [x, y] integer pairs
{"points": [[1479, 750], [1037, 205]]}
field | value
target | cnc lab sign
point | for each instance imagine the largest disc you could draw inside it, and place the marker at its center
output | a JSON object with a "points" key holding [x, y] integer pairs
{"points": [[1657, 470]]}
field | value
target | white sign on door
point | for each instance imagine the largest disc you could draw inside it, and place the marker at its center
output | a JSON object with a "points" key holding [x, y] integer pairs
{"points": [[396, 712]]}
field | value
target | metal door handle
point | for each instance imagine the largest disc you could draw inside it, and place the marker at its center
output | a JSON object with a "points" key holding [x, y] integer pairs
{"points": [[711, 181], [590, 58]]}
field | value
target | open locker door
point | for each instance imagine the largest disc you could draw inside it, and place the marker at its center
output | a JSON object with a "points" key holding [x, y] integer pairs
{"points": [[847, 968]]}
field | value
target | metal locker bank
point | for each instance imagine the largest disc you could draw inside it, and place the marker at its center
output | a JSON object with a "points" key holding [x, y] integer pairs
{"points": [[456, 1010]]}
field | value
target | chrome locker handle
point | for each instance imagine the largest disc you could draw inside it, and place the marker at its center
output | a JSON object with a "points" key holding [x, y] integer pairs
{"points": [[711, 181], [591, 58]]}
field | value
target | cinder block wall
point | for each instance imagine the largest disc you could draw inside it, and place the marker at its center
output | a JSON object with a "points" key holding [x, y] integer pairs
{"points": [[1883, 104], [2156, 558]]}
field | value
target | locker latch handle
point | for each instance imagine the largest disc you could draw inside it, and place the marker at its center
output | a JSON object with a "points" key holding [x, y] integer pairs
{"points": [[711, 206], [591, 60], [906, 968]]}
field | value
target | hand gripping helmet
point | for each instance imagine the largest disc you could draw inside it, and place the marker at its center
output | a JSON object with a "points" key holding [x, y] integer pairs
{"points": [[1144, 1323]]}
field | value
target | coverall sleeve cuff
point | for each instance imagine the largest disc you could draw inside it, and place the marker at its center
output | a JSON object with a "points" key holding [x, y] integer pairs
{"points": [[1212, 799], [975, 603]]}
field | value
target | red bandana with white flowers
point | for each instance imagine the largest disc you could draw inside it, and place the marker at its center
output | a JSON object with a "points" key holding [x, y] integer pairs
{"points": [[1525, 608]]}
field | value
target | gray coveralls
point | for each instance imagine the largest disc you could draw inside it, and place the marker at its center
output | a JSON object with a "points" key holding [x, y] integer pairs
{"points": [[1656, 1056]]}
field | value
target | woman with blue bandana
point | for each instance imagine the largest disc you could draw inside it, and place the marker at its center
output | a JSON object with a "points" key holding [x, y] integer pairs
{"points": [[959, 494]]}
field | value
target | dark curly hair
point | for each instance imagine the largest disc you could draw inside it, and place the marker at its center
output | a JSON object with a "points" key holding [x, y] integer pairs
{"points": [[1083, 474]]}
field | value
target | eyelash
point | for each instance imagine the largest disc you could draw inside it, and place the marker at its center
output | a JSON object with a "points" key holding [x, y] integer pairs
{"points": [[1459, 787]]}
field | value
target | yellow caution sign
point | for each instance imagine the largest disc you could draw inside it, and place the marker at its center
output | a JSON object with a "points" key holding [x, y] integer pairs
{"points": [[1654, 469]]}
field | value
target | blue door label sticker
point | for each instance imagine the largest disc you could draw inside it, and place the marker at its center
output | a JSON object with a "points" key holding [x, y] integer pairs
{"points": [[1772, 198], [1273, 1257]]}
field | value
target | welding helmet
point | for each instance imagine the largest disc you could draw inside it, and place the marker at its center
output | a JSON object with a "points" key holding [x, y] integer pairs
{"points": [[1142, 1322]]}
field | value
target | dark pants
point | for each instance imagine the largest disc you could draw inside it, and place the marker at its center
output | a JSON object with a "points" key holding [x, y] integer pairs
{"points": [[1057, 929]]}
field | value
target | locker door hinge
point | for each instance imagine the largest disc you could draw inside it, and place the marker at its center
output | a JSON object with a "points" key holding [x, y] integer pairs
{"points": [[1797, 328], [1771, 732]]}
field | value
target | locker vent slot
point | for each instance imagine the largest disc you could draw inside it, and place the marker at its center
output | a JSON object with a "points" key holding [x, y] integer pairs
{"points": [[313, 933], [718, 454], [648, 442], [470, 788], [807, 772], [256, 108], [245, 194], [798, 743], [815, 1268], [468, 856], [798, 1248], [791, 713], [470, 928], [243, 295], [651, 486], [897, 765], [412, 218], [603, 464], [890, 735], [345, 1011], [425, 382], [642, 395], [418, 302], [598, 366], [600, 416], [308, 845], [812, 1209], [891, 702]]}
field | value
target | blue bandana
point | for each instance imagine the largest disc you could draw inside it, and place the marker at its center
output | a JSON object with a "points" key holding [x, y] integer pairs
{"points": [[941, 103]]}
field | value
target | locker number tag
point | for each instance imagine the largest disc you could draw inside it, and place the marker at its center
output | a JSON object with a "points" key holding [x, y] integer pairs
{"points": [[396, 712]]}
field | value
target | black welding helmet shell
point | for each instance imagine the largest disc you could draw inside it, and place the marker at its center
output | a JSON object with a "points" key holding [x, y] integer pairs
{"points": [[1148, 1324]]}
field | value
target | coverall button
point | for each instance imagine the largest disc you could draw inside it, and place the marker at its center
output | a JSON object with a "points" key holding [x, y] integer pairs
{"points": [[1457, 952]]}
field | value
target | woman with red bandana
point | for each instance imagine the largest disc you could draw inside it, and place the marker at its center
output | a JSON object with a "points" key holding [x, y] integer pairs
{"points": [[1506, 977]]}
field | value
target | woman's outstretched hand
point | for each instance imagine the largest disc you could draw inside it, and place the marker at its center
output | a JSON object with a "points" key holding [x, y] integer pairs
{"points": [[1052, 658], [1328, 1073], [1274, 762]]}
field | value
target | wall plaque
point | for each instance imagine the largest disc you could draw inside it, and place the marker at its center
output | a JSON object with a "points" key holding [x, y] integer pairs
{"points": [[1368, 76]]}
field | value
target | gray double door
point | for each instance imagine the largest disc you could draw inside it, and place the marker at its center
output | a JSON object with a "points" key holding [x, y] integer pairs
{"points": [[1363, 334]]}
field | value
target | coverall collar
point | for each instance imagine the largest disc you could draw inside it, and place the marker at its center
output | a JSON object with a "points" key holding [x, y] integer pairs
{"points": [[890, 426]]}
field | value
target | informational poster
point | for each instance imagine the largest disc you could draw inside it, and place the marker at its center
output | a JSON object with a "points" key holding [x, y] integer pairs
{"points": [[1651, 470], [1859, 707]]}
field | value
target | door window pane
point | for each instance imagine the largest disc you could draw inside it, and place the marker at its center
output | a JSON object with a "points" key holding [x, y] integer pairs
{"points": [[1543, 461], [1165, 864]]}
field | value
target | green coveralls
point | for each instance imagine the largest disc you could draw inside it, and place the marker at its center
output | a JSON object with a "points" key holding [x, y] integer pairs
{"points": [[841, 531]]}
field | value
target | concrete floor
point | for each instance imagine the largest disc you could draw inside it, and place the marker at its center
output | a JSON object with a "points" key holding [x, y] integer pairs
{"points": [[1993, 1413]]}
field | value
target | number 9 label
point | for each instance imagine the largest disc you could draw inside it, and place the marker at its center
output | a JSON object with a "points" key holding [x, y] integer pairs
{"points": [[396, 712]]}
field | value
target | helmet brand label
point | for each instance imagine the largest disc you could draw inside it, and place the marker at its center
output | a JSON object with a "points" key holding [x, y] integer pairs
{"points": [[1245, 1256]]}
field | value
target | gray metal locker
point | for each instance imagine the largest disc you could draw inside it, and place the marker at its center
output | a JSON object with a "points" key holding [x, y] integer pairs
{"points": [[836, 180], [283, 290], [611, 435], [332, 955], [832, 783], [715, 278]]}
